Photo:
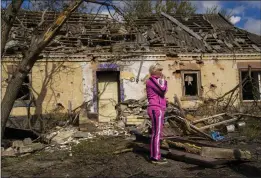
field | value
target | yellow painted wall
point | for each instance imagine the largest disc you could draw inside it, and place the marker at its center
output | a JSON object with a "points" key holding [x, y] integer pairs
{"points": [[222, 73], [53, 82], [59, 82]]}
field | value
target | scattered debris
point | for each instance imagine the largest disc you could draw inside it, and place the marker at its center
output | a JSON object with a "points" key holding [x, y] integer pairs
{"points": [[80, 134], [221, 153], [10, 152], [216, 136], [31, 148], [20, 147], [27, 141], [179, 148]]}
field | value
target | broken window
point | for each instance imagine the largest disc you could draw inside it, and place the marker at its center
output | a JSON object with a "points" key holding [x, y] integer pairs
{"points": [[191, 83], [24, 92], [251, 90]]}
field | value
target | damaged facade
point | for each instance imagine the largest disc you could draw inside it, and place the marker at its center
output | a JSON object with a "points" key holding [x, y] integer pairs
{"points": [[98, 61]]}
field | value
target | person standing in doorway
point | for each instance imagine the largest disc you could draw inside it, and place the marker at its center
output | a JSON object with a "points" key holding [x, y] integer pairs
{"points": [[156, 88]]}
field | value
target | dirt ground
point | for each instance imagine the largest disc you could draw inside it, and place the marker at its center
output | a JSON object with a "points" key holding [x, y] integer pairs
{"points": [[96, 159]]}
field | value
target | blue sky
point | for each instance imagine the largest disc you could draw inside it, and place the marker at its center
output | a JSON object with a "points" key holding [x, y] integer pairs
{"points": [[246, 14]]}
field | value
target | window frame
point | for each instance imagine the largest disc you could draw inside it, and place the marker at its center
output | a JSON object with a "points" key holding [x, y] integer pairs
{"points": [[241, 87], [199, 93]]}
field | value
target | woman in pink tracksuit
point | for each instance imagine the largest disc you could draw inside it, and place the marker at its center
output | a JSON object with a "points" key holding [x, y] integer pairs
{"points": [[156, 88]]}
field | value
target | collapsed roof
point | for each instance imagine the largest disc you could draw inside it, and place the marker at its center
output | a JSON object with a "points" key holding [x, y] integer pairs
{"points": [[199, 33]]}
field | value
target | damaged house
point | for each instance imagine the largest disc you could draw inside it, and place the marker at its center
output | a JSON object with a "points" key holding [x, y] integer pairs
{"points": [[95, 60]]}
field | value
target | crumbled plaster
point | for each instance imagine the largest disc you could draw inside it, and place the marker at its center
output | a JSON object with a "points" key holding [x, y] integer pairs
{"points": [[87, 81]]}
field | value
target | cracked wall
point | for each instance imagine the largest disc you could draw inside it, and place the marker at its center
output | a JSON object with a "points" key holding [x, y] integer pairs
{"points": [[57, 82]]}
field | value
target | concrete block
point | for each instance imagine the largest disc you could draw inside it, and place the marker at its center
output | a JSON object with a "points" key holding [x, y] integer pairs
{"points": [[62, 136], [31, 148], [27, 141], [10, 152], [17, 144]]}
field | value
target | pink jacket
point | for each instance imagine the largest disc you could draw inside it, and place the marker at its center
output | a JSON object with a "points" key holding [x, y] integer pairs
{"points": [[156, 92]]}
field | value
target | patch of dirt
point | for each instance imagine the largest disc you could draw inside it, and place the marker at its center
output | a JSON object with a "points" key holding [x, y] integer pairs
{"points": [[95, 158]]}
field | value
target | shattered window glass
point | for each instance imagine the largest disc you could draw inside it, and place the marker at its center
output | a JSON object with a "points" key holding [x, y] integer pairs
{"points": [[191, 84], [251, 90]]}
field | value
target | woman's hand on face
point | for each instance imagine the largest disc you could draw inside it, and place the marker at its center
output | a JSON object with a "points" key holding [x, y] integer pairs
{"points": [[163, 76]]}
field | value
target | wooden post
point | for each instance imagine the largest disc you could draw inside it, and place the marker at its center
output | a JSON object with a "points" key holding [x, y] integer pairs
{"points": [[179, 104], [204, 119], [219, 123], [194, 127], [221, 153], [172, 19]]}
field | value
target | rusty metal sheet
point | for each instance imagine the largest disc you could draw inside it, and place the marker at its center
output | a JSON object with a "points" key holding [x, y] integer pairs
{"points": [[241, 65]]}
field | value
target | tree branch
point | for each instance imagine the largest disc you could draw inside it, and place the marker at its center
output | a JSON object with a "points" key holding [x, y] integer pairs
{"points": [[42, 18], [9, 18], [36, 47], [21, 23]]}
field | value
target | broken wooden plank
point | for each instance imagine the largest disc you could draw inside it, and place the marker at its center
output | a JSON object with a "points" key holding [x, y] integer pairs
{"points": [[181, 25], [191, 148], [139, 147], [146, 139], [176, 99], [221, 153], [247, 115], [210, 117], [218, 124], [195, 142], [138, 75], [194, 127], [195, 159], [183, 156]]}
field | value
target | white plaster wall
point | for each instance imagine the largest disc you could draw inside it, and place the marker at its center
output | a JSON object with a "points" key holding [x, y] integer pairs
{"points": [[134, 90], [87, 82]]}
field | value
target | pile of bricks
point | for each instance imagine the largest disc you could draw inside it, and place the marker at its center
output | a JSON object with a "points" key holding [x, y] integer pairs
{"points": [[134, 112]]}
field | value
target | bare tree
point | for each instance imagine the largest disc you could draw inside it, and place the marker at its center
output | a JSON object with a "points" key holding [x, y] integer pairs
{"points": [[138, 9], [184, 8], [38, 43], [8, 18], [145, 8], [215, 10]]}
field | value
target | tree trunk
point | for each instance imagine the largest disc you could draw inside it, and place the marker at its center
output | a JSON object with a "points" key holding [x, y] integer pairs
{"points": [[31, 56], [8, 19], [9, 98]]}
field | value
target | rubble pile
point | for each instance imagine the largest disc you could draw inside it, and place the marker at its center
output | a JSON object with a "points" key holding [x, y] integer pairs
{"points": [[60, 138], [134, 112], [21, 148], [132, 107]]}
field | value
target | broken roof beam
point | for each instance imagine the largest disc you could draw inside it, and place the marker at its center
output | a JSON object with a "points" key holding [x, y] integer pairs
{"points": [[181, 25]]}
